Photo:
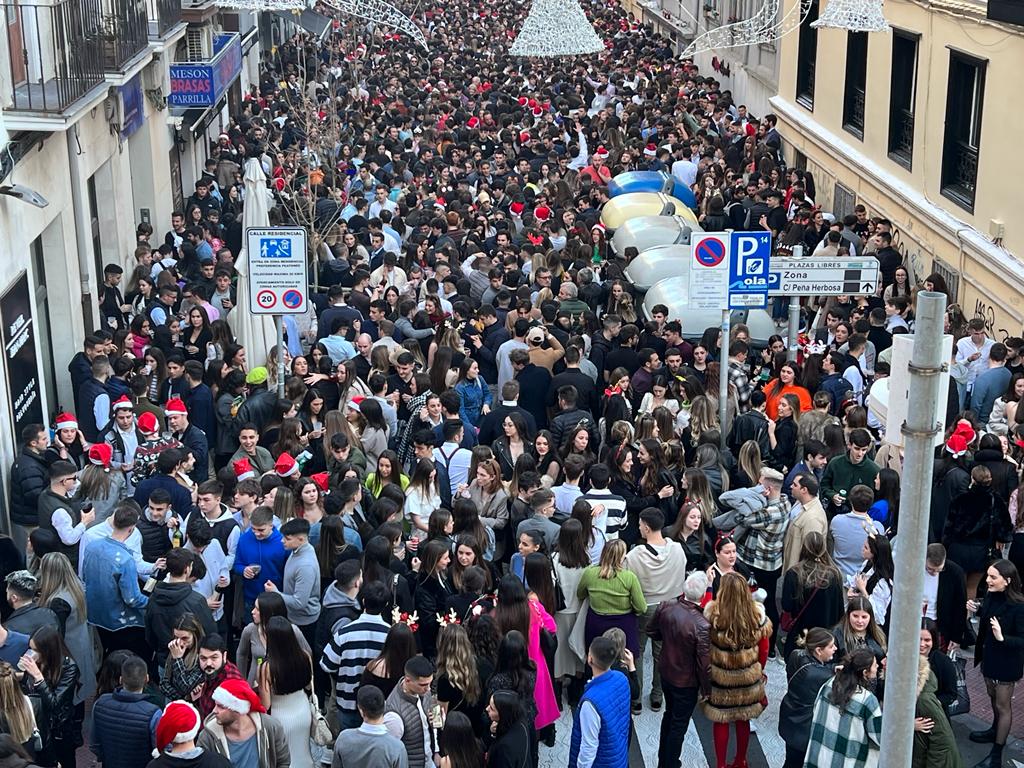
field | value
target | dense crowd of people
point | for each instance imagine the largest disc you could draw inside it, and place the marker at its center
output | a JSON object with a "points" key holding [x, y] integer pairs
{"points": [[490, 483]]}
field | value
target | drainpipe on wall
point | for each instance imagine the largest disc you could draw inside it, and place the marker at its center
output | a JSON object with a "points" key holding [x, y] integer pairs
{"points": [[83, 228]]}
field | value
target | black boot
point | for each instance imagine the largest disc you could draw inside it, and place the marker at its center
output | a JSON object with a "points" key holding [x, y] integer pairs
{"points": [[994, 759], [984, 737]]}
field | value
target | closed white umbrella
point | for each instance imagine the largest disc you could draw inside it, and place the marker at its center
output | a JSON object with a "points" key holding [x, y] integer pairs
{"points": [[257, 333]]}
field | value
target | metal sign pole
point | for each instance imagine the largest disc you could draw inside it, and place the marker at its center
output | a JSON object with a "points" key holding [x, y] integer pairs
{"points": [[793, 333], [280, 355], [723, 375], [919, 432]]}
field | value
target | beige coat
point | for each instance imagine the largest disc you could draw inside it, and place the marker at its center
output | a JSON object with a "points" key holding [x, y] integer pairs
{"points": [[811, 518]]}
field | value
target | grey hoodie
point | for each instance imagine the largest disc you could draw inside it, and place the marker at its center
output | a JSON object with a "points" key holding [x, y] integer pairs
{"points": [[337, 610], [301, 588]]}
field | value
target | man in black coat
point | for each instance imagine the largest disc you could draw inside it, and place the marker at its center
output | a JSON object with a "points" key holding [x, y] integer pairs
{"points": [[491, 424], [950, 594], [568, 418], [534, 381], [29, 478], [171, 600], [486, 343], [586, 390], [752, 425]]}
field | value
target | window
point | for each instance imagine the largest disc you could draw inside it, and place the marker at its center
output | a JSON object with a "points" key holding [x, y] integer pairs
{"points": [[807, 55], [856, 82], [962, 137], [902, 95]]}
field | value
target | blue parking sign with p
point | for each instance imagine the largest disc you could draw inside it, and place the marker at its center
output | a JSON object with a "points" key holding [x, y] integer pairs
{"points": [[748, 269]]}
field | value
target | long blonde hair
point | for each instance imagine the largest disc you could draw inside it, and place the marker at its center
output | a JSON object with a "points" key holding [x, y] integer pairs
{"points": [[733, 612], [56, 574], [750, 460], [15, 706], [456, 660], [612, 555]]}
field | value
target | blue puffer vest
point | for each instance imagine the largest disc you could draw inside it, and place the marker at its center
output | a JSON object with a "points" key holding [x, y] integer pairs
{"points": [[609, 695], [123, 723]]}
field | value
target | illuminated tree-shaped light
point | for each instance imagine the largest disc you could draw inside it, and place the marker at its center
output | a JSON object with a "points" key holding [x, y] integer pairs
{"points": [[854, 16], [556, 28]]}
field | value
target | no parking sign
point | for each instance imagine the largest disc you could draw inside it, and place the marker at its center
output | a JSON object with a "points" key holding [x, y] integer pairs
{"points": [[278, 277]]}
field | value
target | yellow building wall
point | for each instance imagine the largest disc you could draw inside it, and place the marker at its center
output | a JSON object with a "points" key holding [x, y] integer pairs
{"points": [[931, 230]]}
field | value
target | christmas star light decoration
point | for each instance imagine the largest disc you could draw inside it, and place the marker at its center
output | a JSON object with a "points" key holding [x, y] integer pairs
{"points": [[555, 28]]}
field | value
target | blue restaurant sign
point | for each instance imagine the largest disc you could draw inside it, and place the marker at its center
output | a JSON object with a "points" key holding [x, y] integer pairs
{"points": [[201, 84]]}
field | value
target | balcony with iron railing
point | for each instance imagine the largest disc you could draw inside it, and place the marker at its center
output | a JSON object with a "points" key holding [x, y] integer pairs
{"points": [[55, 55], [164, 15], [124, 32]]}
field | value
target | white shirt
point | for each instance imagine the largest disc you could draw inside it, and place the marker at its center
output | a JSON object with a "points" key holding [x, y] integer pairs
{"points": [[965, 348], [686, 171], [931, 594]]}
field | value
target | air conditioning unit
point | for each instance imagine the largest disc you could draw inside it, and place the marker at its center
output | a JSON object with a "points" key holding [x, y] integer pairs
{"points": [[153, 76], [199, 43]]}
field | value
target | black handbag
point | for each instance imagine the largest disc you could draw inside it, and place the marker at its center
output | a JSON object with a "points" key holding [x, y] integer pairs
{"points": [[962, 705]]}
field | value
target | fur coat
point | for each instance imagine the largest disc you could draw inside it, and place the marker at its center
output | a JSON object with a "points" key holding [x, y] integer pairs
{"points": [[737, 674]]}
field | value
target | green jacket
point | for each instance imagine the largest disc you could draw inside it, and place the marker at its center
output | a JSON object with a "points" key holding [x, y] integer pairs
{"points": [[936, 749], [841, 475]]}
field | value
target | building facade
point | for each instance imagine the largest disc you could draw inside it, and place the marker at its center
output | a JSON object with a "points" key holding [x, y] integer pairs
{"points": [[750, 72], [911, 124], [87, 126]]}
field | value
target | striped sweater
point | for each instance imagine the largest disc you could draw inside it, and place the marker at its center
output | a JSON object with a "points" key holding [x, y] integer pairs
{"points": [[353, 647]]}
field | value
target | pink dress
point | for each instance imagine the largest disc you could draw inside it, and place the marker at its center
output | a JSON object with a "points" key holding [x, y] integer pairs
{"points": [[544, 692]]}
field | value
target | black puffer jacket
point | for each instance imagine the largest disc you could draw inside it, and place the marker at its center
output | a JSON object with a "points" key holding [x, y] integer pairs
{"points": [[29, 478]]}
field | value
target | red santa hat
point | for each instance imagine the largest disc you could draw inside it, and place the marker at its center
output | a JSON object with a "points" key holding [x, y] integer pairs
{"points": [[321, 480], [148, 423], [285, 465], [101, 454], [176, 406], [440, 203], [66, 421], [601, 153], [354, 403], [650, 150], [243, 470], [123, 404], [542, 213], [523, 101], [537, 111], [956, 445], [238, 696], [965, 430], [473, 122], [599, 227], [179, 723], [517, 208], [532, 103], [524, 137]]}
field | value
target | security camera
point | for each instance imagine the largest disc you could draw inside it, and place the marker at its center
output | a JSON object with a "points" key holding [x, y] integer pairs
{"points": [[25, 194]]}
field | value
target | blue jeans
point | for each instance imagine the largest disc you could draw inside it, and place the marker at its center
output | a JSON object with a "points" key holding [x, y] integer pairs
{"points": [[348, 719]]}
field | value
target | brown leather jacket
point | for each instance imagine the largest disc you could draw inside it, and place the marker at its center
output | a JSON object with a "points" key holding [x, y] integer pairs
{"points": [[685, 652]]}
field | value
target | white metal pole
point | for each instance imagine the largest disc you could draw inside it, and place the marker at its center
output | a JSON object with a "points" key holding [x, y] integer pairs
{"points": [[794, 315], [280, 355], [723, 375], [919, 432]]}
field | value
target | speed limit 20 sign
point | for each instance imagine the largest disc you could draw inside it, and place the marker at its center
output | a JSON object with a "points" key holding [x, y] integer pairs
{"points": [[278, 277]]}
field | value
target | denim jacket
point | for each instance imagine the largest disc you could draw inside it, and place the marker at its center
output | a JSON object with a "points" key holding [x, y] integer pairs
{"points": [[112, 593], [474, 396]]}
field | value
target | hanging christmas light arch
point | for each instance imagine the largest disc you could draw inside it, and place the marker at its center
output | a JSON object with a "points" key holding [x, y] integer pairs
{"points": [[763, 27]]}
